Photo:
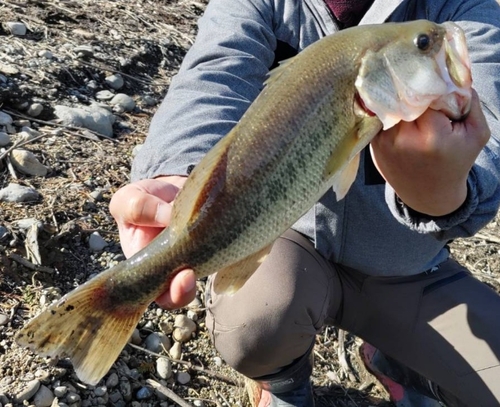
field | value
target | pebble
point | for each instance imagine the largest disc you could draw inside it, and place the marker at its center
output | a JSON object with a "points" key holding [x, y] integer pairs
{"points": [[16, 28], [148, 101], [5, 119], [18, 193], [104, 95], [45, 53], [4, 139], [73, 397], [60, 391], [35, 109], [3, 319], [136, 337], [164, 368], [218, 361], [28, 392], [112, 380], [97, 242], [26, 162], [175, 351], [4, 233], [124, 101], [184, 328], [100, 391], [97, 195], [143, 393], [156, 342], [93, 117], [198, 403], [43, 397], [115, 397], [115, 81], [183, 377], [25, 136], [126, 390], [84, 50]]}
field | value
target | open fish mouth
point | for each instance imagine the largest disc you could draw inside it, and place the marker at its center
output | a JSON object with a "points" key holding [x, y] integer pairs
{"points": [[455, 69]]}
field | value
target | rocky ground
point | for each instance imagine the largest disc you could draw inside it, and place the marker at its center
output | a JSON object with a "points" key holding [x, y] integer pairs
{"points": [[79, 82]]}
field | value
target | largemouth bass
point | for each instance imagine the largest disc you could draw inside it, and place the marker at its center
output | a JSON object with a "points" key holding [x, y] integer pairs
{"points": [[300, 137]]}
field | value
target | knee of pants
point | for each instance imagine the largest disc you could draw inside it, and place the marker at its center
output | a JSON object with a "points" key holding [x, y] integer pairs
{"points": [[272, 320], [263, 342]]}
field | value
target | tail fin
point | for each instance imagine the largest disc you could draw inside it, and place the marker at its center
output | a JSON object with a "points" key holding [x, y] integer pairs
{"points": [[80, 326]]}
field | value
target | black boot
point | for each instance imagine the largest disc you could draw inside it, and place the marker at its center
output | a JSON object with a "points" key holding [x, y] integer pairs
{"points": [[291, 386]]}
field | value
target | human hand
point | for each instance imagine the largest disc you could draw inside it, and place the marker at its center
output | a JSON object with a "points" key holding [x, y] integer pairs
{"points": [[142, 210], [427, 161]]}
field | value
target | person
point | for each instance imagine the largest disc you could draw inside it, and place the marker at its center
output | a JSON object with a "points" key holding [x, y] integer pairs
{"points": [[375, 263]]}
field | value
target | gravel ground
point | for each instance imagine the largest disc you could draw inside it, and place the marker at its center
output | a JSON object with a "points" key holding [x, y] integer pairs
{"points": [[114, 59]]}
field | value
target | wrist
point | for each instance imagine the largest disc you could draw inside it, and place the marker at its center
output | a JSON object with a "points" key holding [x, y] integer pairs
{"points": [[440, 202]]}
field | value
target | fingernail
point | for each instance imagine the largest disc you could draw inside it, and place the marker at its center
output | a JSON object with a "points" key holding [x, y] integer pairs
{"points": [[188, 284], [163, 214]]}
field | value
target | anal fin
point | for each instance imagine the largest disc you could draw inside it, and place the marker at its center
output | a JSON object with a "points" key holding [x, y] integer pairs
{"points": [[231, 279]]}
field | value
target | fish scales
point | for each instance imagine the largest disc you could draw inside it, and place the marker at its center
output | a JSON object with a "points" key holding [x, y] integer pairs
{"points": [[299, 138]]}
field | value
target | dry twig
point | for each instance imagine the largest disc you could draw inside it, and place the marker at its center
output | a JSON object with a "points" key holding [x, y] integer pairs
{"points": [[168, 393]]}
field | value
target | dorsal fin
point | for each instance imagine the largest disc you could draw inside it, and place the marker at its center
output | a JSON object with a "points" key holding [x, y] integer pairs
{"points": [[275, 73]]}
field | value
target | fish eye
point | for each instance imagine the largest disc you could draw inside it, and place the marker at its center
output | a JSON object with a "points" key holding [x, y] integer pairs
{"points": [[423, 42]]}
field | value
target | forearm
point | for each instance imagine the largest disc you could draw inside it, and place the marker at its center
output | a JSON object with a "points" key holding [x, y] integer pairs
{"points": [[221, 75]]}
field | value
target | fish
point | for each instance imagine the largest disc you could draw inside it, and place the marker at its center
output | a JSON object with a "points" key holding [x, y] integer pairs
{"points": [[300, 138]]}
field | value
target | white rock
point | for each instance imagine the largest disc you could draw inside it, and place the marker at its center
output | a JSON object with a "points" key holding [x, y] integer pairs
{"points": [[93, 118], [43, 397], [104, 95], [175, 351], [45, 53], [115, 81], [26, 162], [16, 28], [4, 139], [3, 319], [18, 193], [184, 328], [35, 109], [5, 119], [124, 101], [28, 391], [96, 242], [164, 368]]}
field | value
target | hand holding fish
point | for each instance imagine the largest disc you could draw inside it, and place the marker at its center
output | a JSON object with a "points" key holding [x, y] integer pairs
{"points": [[142, 210], [427, 161]]}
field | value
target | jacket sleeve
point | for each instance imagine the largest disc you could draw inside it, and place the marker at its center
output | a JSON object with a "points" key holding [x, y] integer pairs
{"points": [[220, 76], [481, 22]]}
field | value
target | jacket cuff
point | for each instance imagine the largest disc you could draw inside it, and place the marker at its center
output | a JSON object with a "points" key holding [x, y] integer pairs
{"points": [[423, 223]]}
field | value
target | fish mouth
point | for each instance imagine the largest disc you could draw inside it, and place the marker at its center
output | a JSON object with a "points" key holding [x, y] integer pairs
{"points": [[455, 69]]}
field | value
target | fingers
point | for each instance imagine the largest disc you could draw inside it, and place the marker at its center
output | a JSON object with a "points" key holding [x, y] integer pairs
{"points": [[144, 203], [181, 292]]}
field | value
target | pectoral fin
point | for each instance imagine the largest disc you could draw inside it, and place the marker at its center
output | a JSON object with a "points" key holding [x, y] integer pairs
{"points": [[344, 179], [231, 279]]}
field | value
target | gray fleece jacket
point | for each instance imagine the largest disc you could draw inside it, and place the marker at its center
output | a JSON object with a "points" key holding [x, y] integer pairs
{"points": [[370, 230]]}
